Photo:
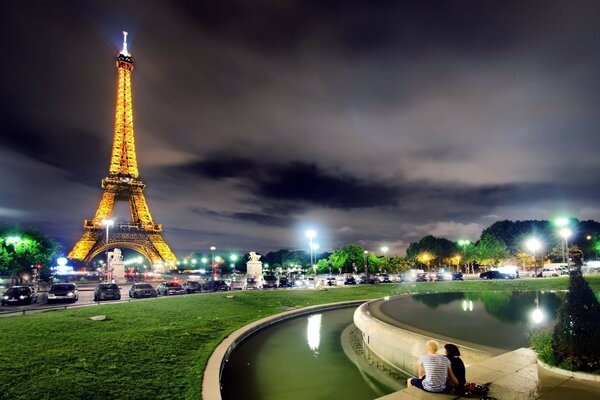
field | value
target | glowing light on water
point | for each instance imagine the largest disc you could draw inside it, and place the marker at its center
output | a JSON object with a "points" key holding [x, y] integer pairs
{"points": [[537, 316], [313, 332], [467, 305]]}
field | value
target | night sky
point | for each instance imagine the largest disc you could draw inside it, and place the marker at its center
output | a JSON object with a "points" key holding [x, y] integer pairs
{"points": [[371, 122]]}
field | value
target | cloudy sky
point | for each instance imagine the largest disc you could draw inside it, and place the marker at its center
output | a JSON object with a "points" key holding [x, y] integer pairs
{"points": [[371, 122]]}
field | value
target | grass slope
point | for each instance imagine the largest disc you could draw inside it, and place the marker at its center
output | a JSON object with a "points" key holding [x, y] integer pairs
{"points": [[158, 349]]}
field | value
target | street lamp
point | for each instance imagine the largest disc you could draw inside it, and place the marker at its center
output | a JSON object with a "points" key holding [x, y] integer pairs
{"points": [[533, 244], [233, 259], [314, 247], [107, 223], [310, 234], [384, 250], [565, 233], [366, 252], [426, 258]]}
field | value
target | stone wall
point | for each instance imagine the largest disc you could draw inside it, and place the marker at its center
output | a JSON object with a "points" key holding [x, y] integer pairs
{"points": [[400, 347]]}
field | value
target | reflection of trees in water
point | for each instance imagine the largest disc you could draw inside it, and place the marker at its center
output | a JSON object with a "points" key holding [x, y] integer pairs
{"points": [[511, 307], [514, 307], [434, 300]]}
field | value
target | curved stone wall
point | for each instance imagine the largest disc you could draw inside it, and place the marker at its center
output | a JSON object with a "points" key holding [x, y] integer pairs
{"points": [[401, 348]]}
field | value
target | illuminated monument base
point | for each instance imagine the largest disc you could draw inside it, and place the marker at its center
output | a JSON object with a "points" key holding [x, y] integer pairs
{"points": [[116, 266]]}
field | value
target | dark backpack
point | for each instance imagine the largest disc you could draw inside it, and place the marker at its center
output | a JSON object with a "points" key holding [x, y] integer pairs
{"points": [[477, 391]]}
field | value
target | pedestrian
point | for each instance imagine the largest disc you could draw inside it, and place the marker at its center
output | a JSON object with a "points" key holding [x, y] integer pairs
{"points": [[457, 366], [434, 371]]}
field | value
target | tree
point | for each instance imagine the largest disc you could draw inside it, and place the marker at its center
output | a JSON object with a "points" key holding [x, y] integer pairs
{"points": [[436, 248], [345, 257], [399, 264], [576, 335], [22, 249], [491, 250]]}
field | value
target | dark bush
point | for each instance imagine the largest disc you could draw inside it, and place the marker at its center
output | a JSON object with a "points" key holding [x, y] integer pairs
{"points": [[576, 336]]}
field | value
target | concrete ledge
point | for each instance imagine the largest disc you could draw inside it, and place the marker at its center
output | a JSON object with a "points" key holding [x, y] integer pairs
{"points": [[400, 347], [211, 382], [572, 374], [510, 376]]}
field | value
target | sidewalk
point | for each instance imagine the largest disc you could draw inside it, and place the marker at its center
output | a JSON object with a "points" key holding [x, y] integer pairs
{"points": [[515, 376]]}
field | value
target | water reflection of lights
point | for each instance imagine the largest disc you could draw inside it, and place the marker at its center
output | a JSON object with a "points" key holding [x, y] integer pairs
{"points": [[313, 332], [467, 305], [538, 316]]}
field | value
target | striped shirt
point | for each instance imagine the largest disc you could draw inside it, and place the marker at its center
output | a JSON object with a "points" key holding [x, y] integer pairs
{"points": [[436, 371]]}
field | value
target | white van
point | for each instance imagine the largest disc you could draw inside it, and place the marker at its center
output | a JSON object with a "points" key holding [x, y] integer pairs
{"points": [[547, 272]]}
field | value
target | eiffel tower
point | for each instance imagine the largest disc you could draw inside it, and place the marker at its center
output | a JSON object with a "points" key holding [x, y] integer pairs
{"points": [[122, 184]]}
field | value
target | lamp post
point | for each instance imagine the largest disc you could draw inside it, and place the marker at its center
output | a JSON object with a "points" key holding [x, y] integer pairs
{"points": [[212, 260], [565, 233], [366, 252], [426, 258], [384, 250], [310, 234], [233, 258], [313, 248], [533, 244], [107, 223]]}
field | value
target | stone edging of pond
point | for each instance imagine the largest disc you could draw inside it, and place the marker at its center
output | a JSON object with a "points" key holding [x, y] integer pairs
{"points": [[211, 382], [573, 374]]}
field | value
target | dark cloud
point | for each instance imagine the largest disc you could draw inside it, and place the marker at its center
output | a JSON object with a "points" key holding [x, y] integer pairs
{"points": [[299, 182]]}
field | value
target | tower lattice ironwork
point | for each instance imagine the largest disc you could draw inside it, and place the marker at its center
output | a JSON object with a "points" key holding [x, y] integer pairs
{"points": [[123, 184]]}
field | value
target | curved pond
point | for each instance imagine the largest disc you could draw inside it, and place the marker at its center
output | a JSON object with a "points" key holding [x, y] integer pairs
{"points": [[302, 358], [298, 359], [501, 320]]}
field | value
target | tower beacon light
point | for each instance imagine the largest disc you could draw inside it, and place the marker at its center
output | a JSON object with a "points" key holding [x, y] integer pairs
{"points": [[124, 51]]}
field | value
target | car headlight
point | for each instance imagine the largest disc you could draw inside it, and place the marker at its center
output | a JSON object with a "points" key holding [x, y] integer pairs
{"points": [[22, 297], [51, 295], [5, 297], [70, 294]]}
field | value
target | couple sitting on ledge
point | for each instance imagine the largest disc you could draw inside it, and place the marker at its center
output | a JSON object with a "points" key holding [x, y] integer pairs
{"points": [[440, 373]]}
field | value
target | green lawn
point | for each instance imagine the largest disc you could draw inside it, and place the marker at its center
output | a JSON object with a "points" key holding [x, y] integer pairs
{"points": [[158, 349]]}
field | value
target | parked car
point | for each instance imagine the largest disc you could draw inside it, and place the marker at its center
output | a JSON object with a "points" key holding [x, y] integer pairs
{"points": [[169, 289], [300, 283], [494, 275], [216, 286], [238, 285], [284, 282], [331, 281], [548, 272], [349, 280], [269, 281], [457, 276], [63, 292], [252, 283], [139, 290], [371, 279], [421, 277], [107, 291], [19, 295], [384, 278], [192, 287]]}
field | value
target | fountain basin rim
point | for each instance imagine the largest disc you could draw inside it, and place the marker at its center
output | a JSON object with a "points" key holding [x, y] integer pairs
{"points": [[573, 374], [211, 381]]}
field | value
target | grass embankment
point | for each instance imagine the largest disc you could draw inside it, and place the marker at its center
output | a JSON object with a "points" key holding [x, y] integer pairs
{"points": [[158, 349]]}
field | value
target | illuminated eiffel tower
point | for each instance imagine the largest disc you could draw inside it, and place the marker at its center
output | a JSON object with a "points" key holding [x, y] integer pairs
{"points": [[122, 184]]}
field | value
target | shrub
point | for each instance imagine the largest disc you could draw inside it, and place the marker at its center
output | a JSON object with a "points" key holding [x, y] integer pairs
{"points": [[576, 336], [541, 342]]}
